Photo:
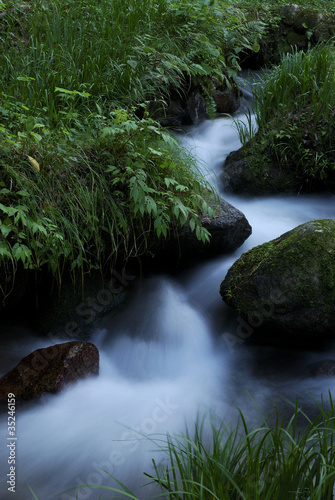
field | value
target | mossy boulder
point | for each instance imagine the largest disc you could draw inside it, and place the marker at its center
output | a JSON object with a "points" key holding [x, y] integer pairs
{"points": [[289, 13], [307, 20], [251, 171], [297, 40], [288, 284]]}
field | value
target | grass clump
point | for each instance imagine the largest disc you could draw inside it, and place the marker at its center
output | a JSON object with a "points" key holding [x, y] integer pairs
{"points": [[274, 461], [99, 200], [294, 109]]}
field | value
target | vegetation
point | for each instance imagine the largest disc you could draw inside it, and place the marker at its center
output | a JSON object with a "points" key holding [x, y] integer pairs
{"points": [[86, 176], [291, 146], [294, 108]]}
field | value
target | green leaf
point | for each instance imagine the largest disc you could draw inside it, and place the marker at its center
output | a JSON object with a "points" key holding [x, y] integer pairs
{"points": [[168, 181], [21, 252], [36, 136], [38, 227], [155, 152], [5, 230], [25, 78], [10, 211], [256, 47], [30, 122], [132, 63], [181, 188], [4, 250], [192, 224]]}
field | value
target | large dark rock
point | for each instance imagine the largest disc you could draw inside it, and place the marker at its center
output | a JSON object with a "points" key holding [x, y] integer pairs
{"points": [[227, 100], [195, 109], [249, 171], [287, 286], [307, 20], [180, 110], [190, 107], [289, 12], [50, 369], [229, 228]]}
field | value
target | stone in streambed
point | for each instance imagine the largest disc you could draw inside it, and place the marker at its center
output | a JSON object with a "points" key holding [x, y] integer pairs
{"points": [[287, 286], [50, 369], [229, 228], [324, 368]]}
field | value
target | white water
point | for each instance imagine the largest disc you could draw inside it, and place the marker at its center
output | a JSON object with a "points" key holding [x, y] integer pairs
{"points": [[163, 360]]}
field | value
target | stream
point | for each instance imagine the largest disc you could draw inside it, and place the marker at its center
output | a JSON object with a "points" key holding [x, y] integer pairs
{"points": [[165, 360]]}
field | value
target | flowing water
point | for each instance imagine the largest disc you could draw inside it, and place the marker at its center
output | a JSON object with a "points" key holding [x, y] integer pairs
{"points": [[164, 360]]}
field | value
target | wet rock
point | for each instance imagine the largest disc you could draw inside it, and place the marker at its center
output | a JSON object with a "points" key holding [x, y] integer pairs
{"points": [[195, 109], [307, 20], [227, 100], [289, 13], [74, 311], [287, 286], [188, 110], [168, 114], [50, 369], [247, 171], [191, 108], [297, 40], [229, 228], [324, 368]]}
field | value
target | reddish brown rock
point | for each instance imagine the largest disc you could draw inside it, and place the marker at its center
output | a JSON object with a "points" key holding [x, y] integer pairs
{"points": [[50, 370]]}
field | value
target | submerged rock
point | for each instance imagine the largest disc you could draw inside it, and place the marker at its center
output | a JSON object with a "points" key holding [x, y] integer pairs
{"points": [[50, 369], [324, 368], [287, 285]]}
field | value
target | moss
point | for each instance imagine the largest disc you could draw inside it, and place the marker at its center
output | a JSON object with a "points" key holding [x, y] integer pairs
{"points": [[299, 267], [297, 40], [307, 19], [262, 174]]}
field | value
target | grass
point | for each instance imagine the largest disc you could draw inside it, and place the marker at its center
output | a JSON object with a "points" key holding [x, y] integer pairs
{"points": [[294, 109], [320, 5], [86, 177], [290, 457]]}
